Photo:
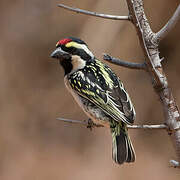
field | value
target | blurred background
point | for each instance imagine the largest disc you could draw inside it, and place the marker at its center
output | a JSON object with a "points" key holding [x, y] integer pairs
{"points": [[33, 144]]}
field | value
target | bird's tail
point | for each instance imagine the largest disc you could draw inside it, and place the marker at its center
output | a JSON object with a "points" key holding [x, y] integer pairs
{"points": [[122, 148]]}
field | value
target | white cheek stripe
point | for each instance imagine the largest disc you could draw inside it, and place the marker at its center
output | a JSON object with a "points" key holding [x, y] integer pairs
{"points": [[85, 48]]}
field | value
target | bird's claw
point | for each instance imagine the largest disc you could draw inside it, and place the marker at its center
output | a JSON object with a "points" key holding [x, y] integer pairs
{"points": [[90, 124]]}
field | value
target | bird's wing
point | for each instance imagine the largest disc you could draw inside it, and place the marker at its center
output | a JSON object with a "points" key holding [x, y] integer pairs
{"points": [[122, 99], [111, 98]]}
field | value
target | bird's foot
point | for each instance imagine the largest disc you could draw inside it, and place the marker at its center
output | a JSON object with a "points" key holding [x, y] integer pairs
{"points": [[91, 124]]}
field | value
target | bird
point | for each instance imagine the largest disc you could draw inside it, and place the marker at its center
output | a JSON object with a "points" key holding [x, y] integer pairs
{"points": [[99, 92]]}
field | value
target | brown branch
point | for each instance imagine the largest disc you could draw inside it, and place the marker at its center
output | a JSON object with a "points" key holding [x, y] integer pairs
{"points": [[153, 61], [86, 123], [169, 26], [126, 64], [90, 13], [144, 126]]}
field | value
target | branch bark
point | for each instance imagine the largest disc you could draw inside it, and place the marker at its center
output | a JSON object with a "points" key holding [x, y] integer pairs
{"points": [[90, 13], [160, 83], [169, 26], [86, 123], [126, 64]]}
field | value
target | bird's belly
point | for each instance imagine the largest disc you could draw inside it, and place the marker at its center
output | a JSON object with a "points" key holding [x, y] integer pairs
{"points": [[92, 111], [97, 116]]}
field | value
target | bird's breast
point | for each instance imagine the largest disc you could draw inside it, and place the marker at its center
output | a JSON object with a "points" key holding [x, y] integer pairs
{"points": [[91, 110]]}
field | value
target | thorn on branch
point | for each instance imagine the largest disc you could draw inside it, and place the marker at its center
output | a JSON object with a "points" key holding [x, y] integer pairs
{"points": [[90, 13], [162, 59], [90, 122], [126, 64]]}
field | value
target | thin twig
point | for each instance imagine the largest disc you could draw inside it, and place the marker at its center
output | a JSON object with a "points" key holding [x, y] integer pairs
{"points": [[90, 13], [72, 121], [174, 163], [85, 123], [157, 126], [169, 26], [126, 64]]}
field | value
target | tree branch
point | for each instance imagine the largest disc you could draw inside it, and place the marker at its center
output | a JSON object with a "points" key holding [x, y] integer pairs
{"points": [[126, 64], [155, 126], [86, 123], [169, 26], [105, 16], [153, 61]]}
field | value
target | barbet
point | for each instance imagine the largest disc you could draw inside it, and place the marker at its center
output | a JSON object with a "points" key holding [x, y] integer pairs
{"points": [[99, 92]]}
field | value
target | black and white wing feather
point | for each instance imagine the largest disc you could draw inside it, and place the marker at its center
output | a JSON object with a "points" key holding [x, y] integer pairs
{"points": [[99, 84]]}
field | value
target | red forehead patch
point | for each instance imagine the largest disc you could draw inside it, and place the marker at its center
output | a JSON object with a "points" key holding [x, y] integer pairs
{"points": [[63, 41]]}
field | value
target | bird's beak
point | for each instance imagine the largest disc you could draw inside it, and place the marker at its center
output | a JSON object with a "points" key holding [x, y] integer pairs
{"points": [[60, 54]]}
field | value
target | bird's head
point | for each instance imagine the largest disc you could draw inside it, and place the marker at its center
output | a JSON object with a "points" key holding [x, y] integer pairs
{"points": [[72, 53]]}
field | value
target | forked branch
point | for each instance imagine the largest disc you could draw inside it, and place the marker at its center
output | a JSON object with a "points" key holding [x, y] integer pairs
{"points": [[160, 83], [90, 13], [169, 26]]}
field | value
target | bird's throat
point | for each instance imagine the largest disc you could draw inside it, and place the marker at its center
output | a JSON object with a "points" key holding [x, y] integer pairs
{"points": [[67, 66]]}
